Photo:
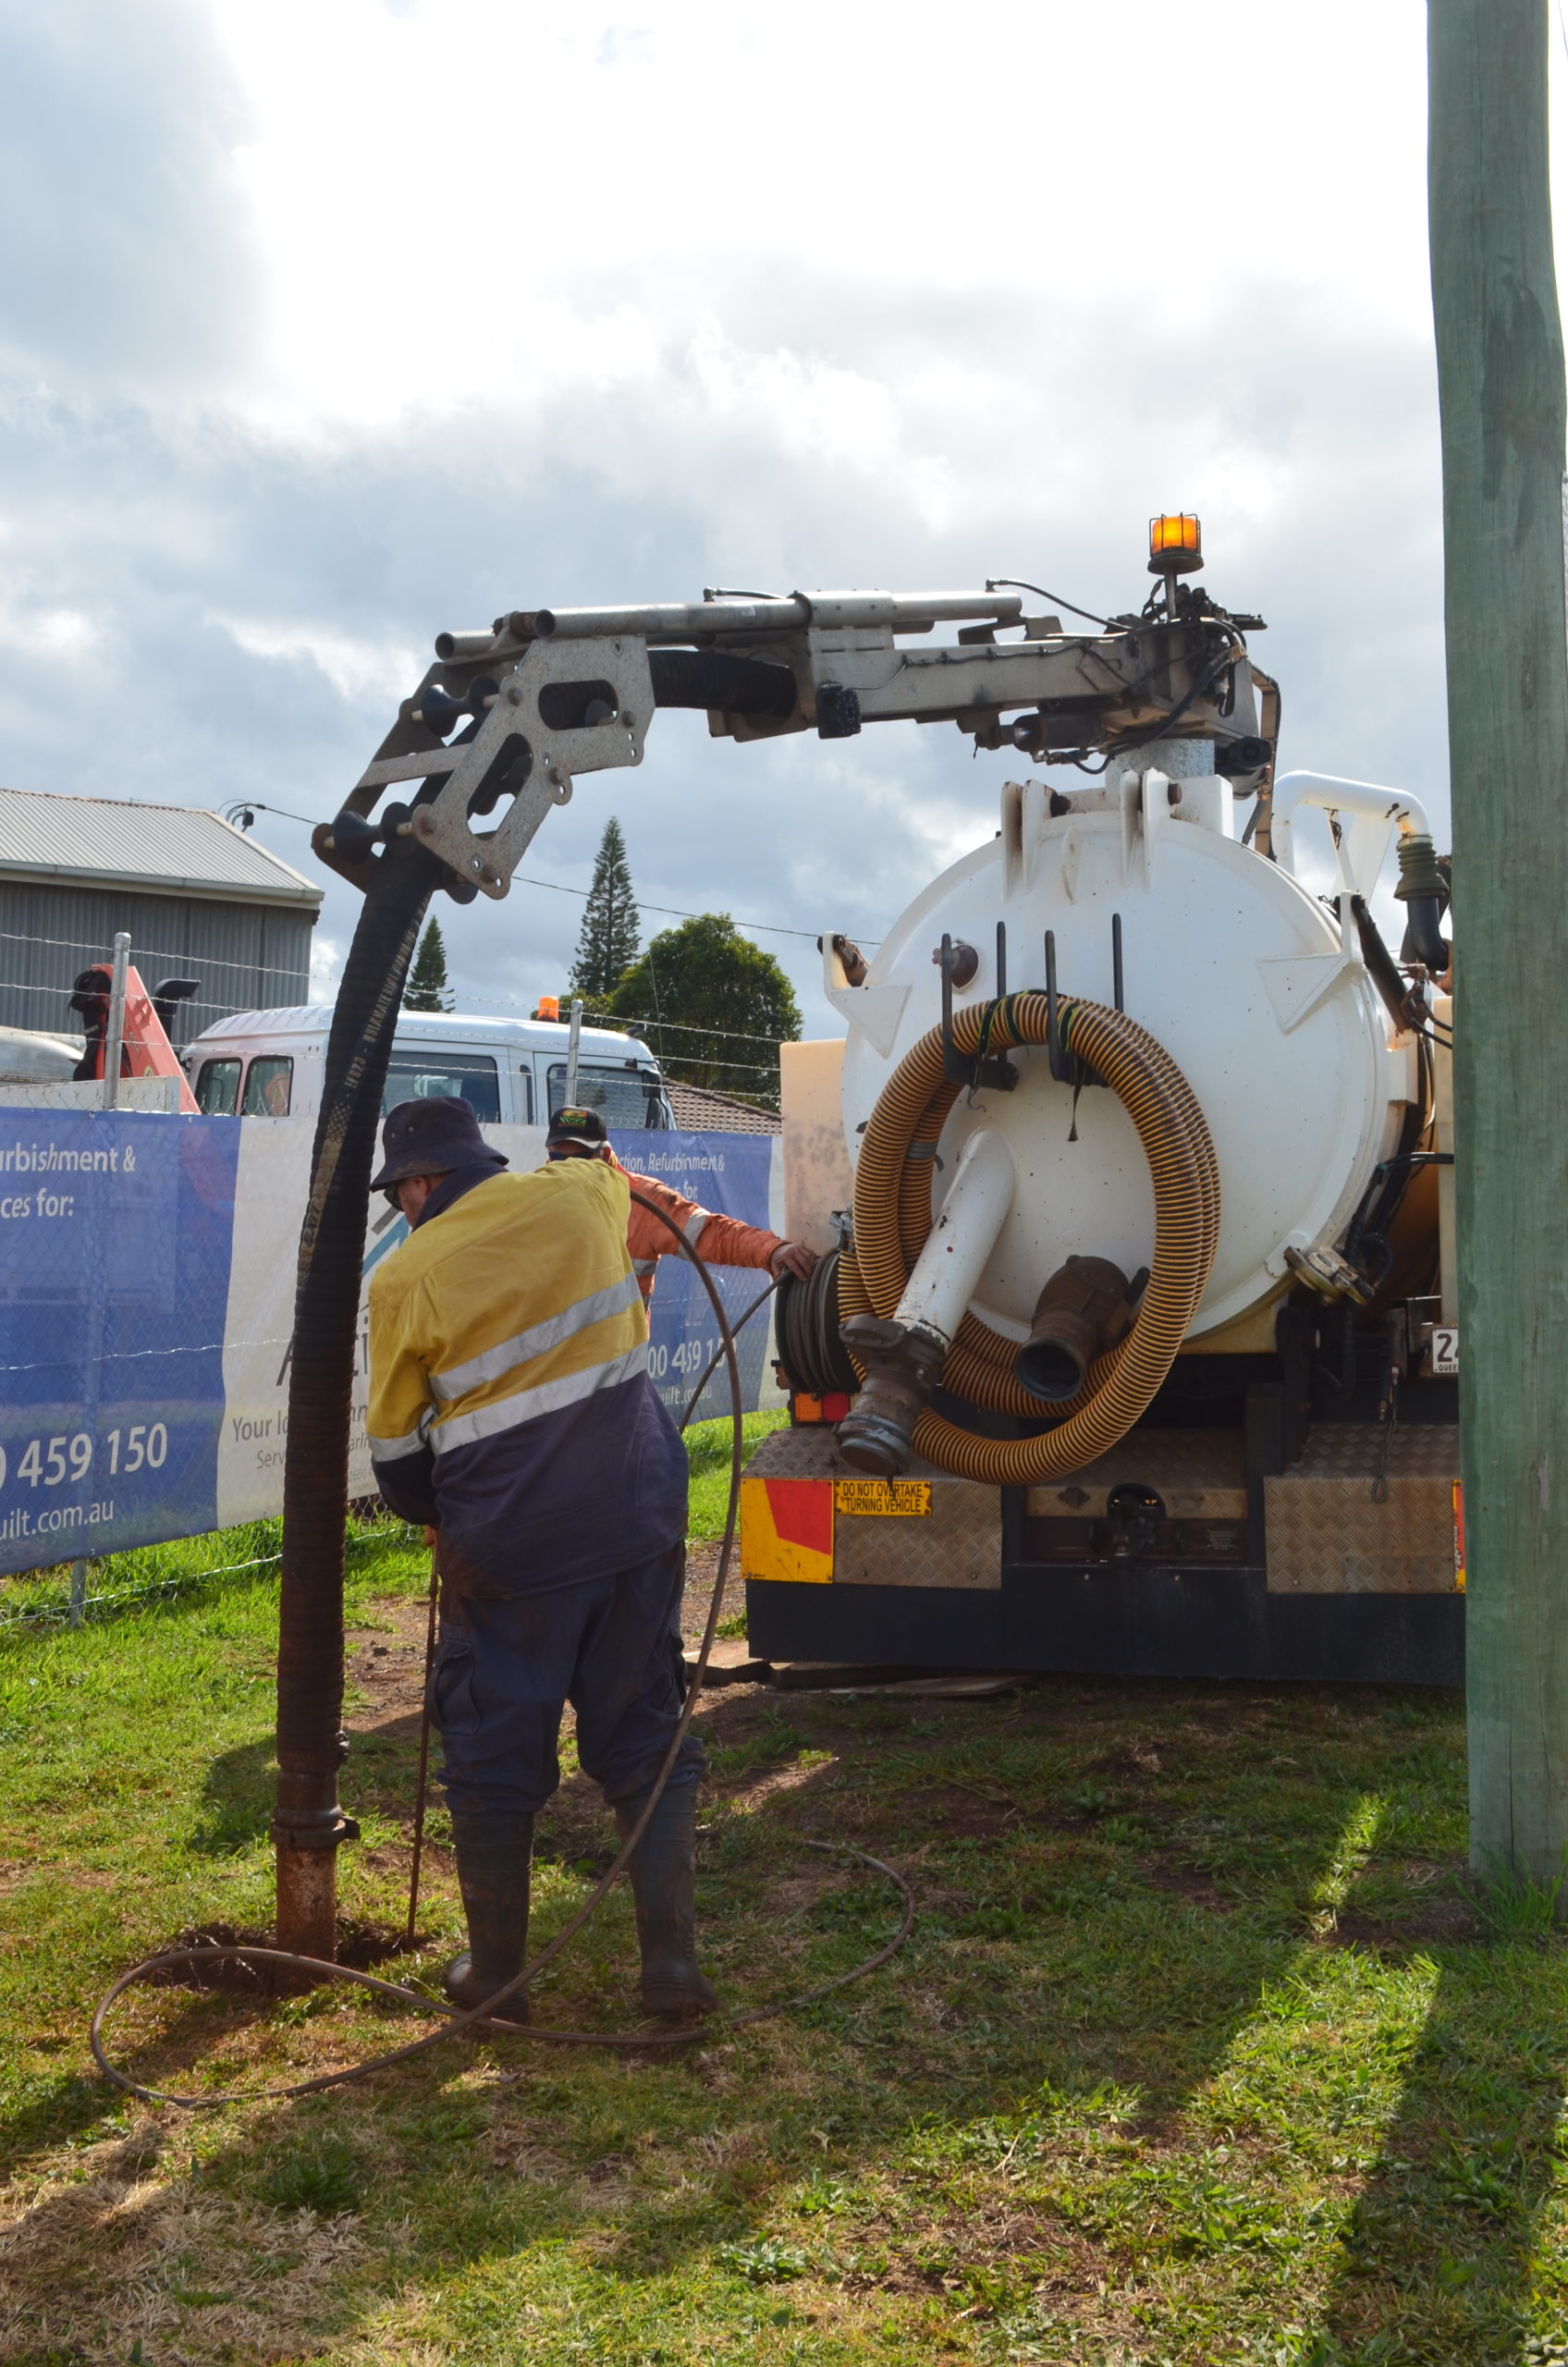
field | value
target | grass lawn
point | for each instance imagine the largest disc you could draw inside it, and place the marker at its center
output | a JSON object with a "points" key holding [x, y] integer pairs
{"points": [[1197, 2053], [707, 1447]]}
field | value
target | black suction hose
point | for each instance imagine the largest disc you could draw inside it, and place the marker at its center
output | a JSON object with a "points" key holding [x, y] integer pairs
{"points": [[309, 1823], [718, 678]]}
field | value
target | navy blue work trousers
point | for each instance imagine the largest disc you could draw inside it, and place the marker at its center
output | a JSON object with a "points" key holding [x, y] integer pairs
{"points": [[508, 1663]]}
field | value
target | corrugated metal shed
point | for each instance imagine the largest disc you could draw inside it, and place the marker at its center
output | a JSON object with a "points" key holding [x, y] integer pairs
{"points": [[173, 850], [197, 898]]}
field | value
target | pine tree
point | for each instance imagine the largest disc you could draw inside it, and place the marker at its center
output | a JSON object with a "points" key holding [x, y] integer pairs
{"points": [[427, 989], [607, 945]]}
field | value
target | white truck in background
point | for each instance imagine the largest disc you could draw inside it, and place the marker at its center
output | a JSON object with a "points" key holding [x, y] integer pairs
{"points": [[269, 1064]]}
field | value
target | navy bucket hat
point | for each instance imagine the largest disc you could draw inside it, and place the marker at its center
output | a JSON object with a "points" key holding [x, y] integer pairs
{"points": [[431, 1136]]}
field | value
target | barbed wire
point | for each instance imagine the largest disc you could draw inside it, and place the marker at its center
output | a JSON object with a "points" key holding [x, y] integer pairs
{"points": [[677, 911], [41, 987], [614, 1023], [153, 953]]}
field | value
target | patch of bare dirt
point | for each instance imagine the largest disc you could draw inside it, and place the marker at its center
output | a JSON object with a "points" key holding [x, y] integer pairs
{"points": [[802, 1891], [1427, 1919], [1068, 2263], [769, 1782], [1184, 1881], [363, 1945], [702, 1568], [962, 1812], [385, 1665], [1135, 1764]]}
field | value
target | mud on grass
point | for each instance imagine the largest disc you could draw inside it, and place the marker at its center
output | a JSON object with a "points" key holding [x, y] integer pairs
{"points": [[1196, 2055]]}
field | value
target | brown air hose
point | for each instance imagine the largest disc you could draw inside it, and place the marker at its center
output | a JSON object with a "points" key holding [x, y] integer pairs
{"points": [[893, 1216]]}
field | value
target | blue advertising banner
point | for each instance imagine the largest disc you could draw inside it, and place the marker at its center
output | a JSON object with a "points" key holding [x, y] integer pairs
{"points": [[147, 1271], [729, 1175], [116, 1237]]}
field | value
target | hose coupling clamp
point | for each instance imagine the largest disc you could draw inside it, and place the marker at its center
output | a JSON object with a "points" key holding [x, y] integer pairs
{"points": [[314, 1828]]}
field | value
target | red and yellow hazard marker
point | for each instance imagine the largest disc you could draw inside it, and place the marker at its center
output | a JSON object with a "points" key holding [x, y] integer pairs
{"points": [[787, 1530]]}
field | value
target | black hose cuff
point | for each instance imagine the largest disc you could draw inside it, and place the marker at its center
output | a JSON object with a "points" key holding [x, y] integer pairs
{"points": [[715, 678], [1424, 891]]}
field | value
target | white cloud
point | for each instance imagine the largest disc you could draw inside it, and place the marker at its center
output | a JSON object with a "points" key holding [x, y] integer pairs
{"points": [[368, 674], [327, 954], [44, 632], [493, 306]]}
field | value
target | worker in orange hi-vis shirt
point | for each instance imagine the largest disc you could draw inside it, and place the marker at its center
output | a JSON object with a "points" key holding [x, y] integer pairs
{"points": [[721, 1241]]}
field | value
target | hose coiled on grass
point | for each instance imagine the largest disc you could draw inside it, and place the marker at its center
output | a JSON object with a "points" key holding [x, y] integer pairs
{"points": [[893, 1217]]}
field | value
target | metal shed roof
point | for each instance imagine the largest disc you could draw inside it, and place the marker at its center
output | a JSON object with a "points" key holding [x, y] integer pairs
{"points": [[170, 850]]}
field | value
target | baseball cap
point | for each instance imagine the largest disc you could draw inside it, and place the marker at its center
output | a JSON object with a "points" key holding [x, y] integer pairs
{"points": [[575, 1125]]}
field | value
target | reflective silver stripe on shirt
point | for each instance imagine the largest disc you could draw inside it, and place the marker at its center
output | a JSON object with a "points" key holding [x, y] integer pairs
{"points": [[388, 1450], [643, 1265], [550, 1397], [493, 1364], [695, 1226]]}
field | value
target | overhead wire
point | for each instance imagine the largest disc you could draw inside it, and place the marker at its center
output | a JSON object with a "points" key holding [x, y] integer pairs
{"points": [[560, 888]]}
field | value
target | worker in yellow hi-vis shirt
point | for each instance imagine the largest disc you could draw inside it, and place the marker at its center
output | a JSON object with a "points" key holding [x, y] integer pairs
{"points": [[510, 1408]]}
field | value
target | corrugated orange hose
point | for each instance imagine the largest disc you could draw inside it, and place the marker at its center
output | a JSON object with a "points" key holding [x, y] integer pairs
{"points": [[893, 1217]]}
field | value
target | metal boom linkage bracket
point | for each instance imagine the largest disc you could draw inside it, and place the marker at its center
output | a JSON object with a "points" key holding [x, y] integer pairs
{"points": [[548, 693]]}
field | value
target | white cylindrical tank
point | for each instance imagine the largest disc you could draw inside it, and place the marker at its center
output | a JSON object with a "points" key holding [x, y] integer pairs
{"points": [[1256, 991]]}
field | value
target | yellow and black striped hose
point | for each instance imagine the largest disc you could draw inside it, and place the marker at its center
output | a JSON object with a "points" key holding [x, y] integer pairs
{"points": [[893, 1217]]}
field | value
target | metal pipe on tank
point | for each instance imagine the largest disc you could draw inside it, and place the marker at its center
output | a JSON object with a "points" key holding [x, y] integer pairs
{"points": [[684, 621], [946, 1273], [1374, 809]]}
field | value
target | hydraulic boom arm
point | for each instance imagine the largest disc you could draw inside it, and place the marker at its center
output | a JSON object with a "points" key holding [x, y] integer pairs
{"points": [[548, 693]]}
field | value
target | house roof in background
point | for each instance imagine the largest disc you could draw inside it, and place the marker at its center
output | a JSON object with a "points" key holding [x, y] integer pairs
{"points": [[698, 1112], [166, 849]]}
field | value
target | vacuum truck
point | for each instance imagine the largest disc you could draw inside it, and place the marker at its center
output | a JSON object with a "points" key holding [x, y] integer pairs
{"points": [[1132, 1348], [1132, 1345]]}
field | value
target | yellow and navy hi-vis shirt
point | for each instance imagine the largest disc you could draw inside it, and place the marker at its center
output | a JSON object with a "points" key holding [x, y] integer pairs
{"points": [[509, 1400]]}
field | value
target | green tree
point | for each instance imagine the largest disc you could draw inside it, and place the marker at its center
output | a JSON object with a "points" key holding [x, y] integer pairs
{"points": [[607, 944], [718, 1008], [428, 989]]}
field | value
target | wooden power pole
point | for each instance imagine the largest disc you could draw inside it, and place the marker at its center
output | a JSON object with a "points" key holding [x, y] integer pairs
{"points": [[1500, 388]]}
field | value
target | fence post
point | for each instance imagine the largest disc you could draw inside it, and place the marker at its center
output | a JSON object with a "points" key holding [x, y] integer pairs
{"points": [[572, 1034], [114, 1034]]}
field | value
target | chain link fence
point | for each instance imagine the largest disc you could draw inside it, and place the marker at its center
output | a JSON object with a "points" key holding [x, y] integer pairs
{"points": [[101, 1588]]}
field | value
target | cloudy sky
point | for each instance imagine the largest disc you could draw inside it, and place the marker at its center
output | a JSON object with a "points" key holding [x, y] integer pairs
{"points": [[329, 324]]}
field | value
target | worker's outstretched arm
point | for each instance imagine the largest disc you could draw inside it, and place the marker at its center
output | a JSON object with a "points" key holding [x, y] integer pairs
{"points": [[724, 1241], [719, 1240]]}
